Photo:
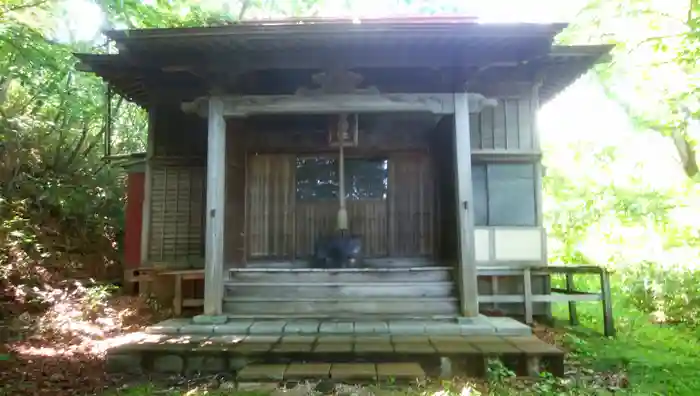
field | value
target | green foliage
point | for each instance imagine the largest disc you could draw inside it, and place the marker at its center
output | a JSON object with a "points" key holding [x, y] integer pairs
{"points": [[656, 64]]}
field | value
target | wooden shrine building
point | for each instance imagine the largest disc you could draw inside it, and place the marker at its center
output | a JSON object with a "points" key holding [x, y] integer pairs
{"points": [[440, 162]]}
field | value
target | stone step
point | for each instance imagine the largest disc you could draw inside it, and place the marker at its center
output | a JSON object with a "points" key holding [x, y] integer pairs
{"points": [[338, 371], [259, 357]]}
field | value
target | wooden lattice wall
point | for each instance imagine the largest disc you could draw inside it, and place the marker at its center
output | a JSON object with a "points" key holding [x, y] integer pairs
{"points": [[177, 214], [279, 226]]}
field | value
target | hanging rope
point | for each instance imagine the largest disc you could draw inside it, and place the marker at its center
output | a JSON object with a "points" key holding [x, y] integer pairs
{"points": [[108, 128], [343, 127]]}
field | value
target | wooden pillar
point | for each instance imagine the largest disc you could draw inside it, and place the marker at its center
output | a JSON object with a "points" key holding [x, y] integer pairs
{"points": [[146, 207], [469, 304], [216, 199]]}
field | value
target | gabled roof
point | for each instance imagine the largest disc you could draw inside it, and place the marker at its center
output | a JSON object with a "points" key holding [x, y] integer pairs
{"points": [[262, 57]]}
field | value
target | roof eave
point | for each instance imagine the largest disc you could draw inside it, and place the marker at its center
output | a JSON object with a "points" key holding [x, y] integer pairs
{"points": [[301, 28]]}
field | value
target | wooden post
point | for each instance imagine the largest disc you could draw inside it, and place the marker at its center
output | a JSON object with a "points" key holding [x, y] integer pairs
{"points": [[469, 304], [216, 199], [147, 186], [608, 321], [570, 289], [527, 291]]}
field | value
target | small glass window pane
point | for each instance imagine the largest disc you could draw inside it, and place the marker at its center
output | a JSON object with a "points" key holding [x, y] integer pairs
{"points": [[480, 195], [511, 195], [317, 178]]}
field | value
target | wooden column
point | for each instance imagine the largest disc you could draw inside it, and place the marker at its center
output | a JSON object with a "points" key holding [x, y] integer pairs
{"points": [[469, 304], [216, 199], [147, 186]]}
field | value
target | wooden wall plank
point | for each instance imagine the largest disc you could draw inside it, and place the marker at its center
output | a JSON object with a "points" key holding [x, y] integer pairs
{"points": [[270, 206], [508, 126], [411, 194], [525, 122], [512, 124], [475, 131], [234, 227], [486, 128], [499, 126]]}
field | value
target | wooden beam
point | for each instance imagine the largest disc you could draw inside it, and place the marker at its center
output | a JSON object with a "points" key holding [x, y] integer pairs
{"points": [[216, 197], [242, 106], [348, 57], [469, 304]]}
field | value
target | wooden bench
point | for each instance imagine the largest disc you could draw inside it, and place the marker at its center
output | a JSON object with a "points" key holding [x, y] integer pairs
{"points": [[147, 275], [569, 294], [179, 276]]}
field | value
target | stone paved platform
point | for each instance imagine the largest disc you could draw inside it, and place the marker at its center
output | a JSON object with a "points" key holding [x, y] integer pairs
{"points": [[481, 326], [294, 356]]}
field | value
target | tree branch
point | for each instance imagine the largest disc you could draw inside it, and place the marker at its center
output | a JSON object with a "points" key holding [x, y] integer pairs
{"points": [[24, 6], [244, 8]]}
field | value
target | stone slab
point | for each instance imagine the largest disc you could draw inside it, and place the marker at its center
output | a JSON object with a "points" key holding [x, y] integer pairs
{"points": [[184, 342], [446, 338], [408, 339], [483, 339], [234, 327], [292, 347], [406, 327], [253, 347], [142, 342], [353, 371], [307, 371], [205, 364], [258, 338], [400, 371], [302, 327], [539, 348], [197, 329], [477, 330], [414, 348], [333, 347], [510, 326], [371, 347], [228, 339], [444, 328], [209, 319], [496, 348], [374, 338], [267, 327], [168, 364], [371, 327], [298, 339], [262, 372], [170, 326], [337, 328], [336, 338], [450, 348]]}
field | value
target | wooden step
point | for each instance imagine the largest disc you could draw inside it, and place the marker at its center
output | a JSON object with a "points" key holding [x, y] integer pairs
{"points": [[337, 290], [342, 308], [348, 275]]}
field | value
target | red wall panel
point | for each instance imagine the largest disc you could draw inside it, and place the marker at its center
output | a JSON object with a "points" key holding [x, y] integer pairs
{"points": [[134, 218]]}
